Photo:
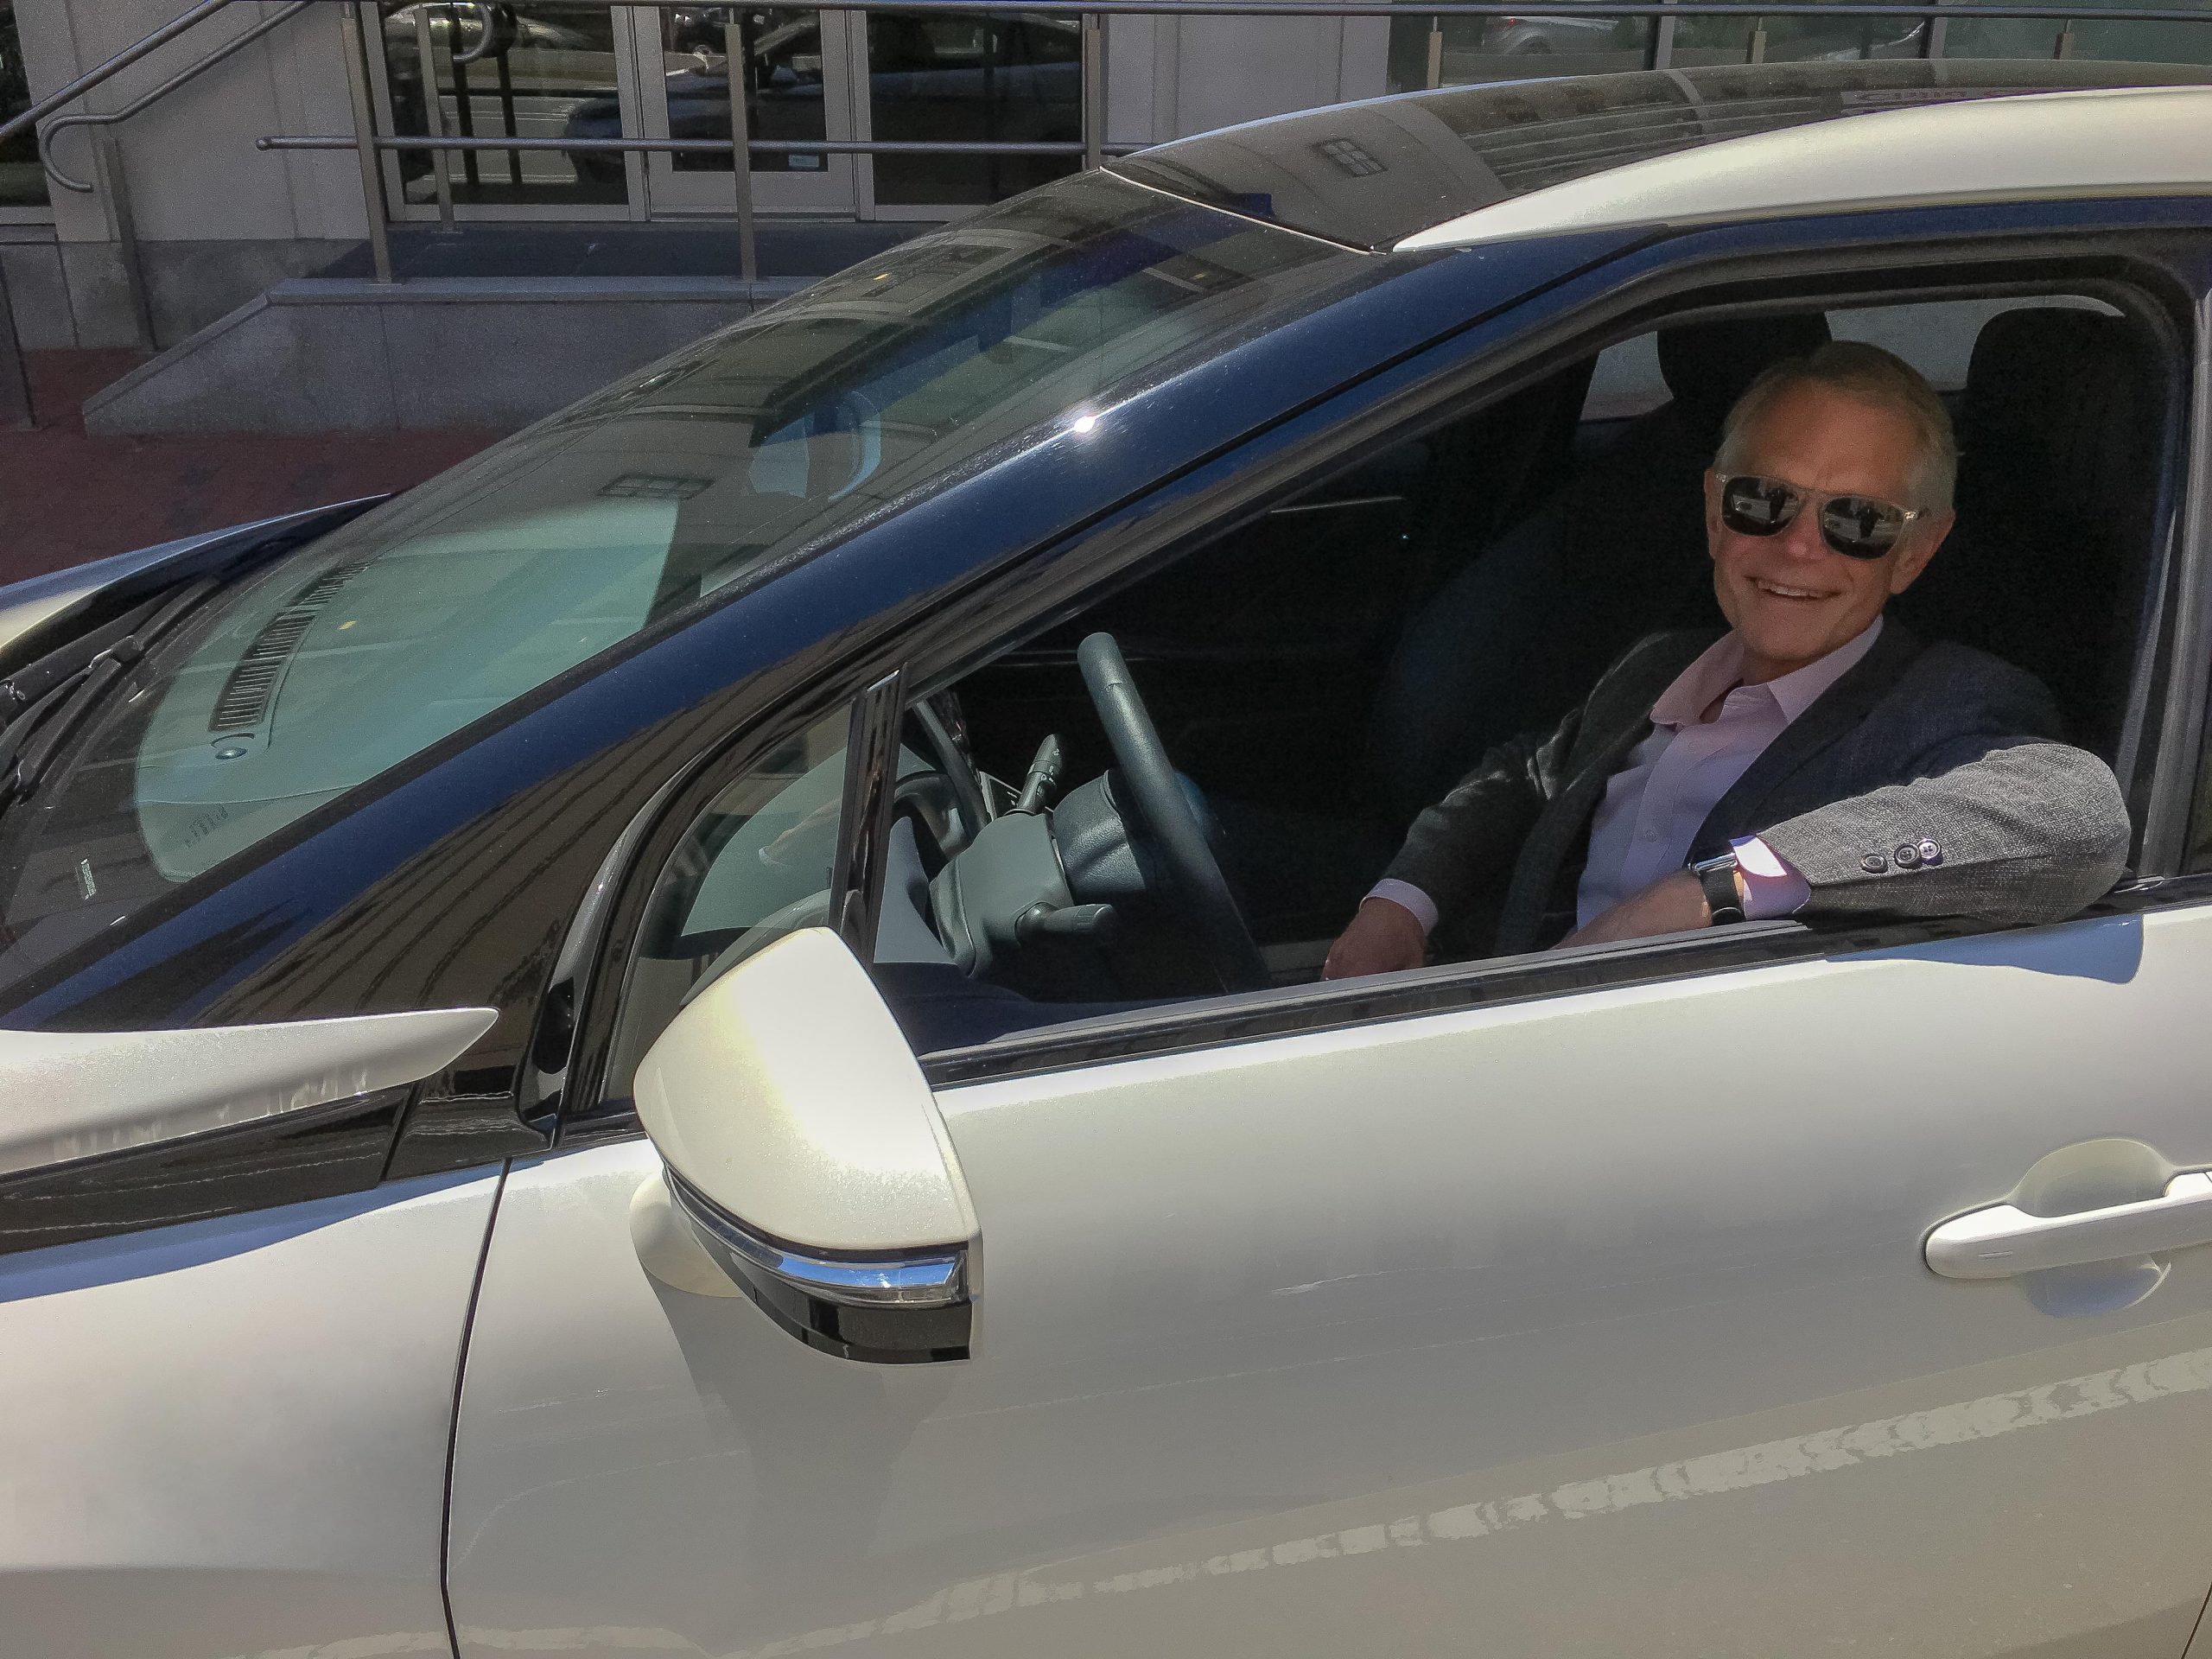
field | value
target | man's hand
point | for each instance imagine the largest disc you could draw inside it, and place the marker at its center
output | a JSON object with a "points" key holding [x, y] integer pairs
{"points": [[1383, 938], [1667, 906]]}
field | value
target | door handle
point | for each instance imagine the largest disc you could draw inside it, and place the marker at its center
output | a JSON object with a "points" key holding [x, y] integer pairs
{"points": [[2005, 1240]]}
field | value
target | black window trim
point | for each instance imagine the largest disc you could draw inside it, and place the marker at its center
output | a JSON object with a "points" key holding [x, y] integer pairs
{"points": [[1497, 981], [2182, 787], [864, 813]]}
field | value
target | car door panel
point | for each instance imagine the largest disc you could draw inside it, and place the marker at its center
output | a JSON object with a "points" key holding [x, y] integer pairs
{"points": [[229, 1438], [1595, 1324]]}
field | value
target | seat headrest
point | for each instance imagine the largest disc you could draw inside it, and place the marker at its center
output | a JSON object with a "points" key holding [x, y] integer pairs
{"points": [[2059, 476], [2055, 400], [1708, 365]]}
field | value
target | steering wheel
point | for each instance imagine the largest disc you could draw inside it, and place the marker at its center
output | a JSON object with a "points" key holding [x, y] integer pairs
{"points": [[1175, 831]]}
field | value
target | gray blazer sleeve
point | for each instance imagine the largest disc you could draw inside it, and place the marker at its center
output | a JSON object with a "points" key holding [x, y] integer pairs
{"points": [[2024, 829], [1474, 834]]}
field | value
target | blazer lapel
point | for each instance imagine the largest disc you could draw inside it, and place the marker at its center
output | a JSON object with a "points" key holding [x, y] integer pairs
{"points": [[1836, 711], [1624, 722]]}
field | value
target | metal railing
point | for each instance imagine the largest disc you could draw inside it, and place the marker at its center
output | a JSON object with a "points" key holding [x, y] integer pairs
{"points": [[1090, 150]]}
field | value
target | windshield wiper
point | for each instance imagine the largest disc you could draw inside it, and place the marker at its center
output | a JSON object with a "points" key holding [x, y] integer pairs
{"points": [[49, 700]]}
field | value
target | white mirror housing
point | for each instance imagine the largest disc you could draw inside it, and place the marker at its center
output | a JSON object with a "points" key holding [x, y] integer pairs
{"points": [[805, 1147]]}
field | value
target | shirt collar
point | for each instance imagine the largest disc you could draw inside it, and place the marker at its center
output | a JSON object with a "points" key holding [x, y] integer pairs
{"points": [[1721, 664]]}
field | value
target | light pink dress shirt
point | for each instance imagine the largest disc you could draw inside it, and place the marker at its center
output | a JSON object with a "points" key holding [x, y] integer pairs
{"points": [[1670, 781]]}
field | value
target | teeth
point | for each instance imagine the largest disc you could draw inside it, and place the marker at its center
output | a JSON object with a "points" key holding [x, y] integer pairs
{"points": [[1788, 593]]}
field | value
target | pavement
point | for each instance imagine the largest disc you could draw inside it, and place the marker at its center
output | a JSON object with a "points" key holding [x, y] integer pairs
{"points": [[67, 496]]}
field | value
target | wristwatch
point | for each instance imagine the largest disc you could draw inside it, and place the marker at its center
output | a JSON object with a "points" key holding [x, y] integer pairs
{"points": [[1717, 877]]}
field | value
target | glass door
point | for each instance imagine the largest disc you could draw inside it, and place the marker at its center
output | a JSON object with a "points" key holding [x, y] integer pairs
{"points": [[502, 69], [797, 86], [988, 78], [22, 180]]}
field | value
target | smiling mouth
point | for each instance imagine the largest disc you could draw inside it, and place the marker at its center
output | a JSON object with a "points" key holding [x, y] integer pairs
{"points": [[1781, 592]]}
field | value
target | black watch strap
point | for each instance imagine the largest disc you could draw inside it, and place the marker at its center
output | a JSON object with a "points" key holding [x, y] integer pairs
{"points": [[1717, 877]]}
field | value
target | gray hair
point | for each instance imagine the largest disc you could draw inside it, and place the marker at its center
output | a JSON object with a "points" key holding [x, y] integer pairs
{"points": [[1869, 375]]}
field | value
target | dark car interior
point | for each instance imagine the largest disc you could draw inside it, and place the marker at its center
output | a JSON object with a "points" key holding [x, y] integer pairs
{"points": [[1187, 788]]}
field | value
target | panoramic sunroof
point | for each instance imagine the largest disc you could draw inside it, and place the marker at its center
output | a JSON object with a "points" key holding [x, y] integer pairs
{"points": [[1369, 174]]}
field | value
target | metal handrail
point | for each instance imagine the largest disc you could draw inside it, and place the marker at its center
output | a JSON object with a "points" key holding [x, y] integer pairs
{"points": [[200, 66]]}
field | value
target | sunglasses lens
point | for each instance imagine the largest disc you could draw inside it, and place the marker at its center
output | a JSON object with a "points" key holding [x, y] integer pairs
{"points": [[1758, 506], [1861, 527]]}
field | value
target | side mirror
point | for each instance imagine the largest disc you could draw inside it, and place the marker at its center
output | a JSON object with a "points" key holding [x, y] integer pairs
{"points": [[804, 1154]]}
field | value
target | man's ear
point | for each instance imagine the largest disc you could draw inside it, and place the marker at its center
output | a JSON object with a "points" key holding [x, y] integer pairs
{"points": [[1711, 513], [1914, 559]]}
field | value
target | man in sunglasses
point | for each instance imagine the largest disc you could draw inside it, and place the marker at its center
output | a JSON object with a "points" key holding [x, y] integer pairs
{"points": [[1814, 760]]}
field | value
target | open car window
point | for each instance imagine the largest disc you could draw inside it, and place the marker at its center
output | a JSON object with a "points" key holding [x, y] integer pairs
{"points": [[1311, 719]]}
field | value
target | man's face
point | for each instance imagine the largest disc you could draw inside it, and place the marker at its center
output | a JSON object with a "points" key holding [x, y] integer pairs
{"points": [[1790, 597]]}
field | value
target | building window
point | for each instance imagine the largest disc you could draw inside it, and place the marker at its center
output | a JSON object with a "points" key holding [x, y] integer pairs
{"points": [[23, 181]]}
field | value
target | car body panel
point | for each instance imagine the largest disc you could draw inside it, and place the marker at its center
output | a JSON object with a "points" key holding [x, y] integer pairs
{"points": [[229, 1438], [1604, 1315], [80, 1094]]}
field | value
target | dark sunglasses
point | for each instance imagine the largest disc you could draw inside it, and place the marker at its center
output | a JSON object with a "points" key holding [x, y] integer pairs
{"points": [[1856, 527]]}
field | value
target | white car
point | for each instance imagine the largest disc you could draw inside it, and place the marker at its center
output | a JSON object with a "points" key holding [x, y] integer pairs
{"points": [[703, 1036]]}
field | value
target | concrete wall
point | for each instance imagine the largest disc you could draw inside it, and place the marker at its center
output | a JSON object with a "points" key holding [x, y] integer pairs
{"points": [[218, 220]]}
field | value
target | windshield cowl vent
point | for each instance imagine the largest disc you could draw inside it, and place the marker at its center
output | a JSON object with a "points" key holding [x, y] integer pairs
{"points": [[252, 684]]}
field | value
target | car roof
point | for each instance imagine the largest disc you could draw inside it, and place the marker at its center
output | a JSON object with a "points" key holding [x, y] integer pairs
{"points": [[1476, 163]]}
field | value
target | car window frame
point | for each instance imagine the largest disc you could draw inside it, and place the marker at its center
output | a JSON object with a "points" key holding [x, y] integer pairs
{"points": [[2182, 797], [1822, 261], [1686, 292]]}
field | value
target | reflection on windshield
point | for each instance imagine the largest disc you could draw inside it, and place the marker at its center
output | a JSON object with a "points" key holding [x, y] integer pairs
{"points": [[765, 440]]}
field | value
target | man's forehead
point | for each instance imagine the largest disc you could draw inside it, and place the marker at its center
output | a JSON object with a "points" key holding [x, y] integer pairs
{"points": [[1821, 422]]}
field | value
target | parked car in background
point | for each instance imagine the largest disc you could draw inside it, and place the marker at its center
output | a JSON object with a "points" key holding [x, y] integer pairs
{"points": [[702, 1036]]}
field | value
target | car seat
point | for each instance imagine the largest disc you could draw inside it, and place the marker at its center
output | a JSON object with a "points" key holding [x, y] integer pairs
{"points": [[1519, 634], [2058, 491], [1516, 636]]}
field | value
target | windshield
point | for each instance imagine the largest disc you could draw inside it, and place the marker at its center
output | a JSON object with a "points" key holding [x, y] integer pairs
{"points": [[362, 648]]}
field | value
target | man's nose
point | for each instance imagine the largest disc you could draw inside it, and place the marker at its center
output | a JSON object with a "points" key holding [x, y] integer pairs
{"points": [[1801, 534]]}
